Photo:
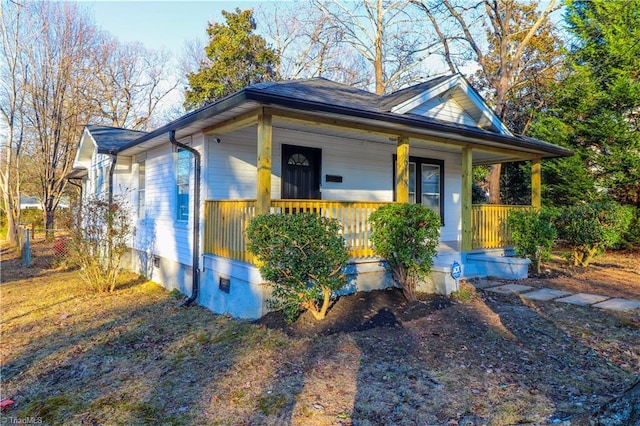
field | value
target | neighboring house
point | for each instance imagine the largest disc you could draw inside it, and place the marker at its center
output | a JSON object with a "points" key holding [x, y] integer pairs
{"points": [[308, 145], [28, 202]]}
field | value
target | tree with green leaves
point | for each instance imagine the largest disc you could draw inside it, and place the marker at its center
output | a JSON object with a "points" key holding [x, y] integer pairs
{"points": [[597, 106], [236, 58]]}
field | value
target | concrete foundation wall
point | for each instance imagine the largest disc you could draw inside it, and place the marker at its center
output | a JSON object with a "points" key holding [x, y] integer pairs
{"points": [[245, 295], [166, 272]]}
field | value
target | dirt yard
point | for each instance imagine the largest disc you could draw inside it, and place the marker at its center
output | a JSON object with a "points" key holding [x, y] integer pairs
{"points": [[135, 357]]}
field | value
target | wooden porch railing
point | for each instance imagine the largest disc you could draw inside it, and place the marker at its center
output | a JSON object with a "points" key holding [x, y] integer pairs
{"points": [[226, 222], [489, 224]]}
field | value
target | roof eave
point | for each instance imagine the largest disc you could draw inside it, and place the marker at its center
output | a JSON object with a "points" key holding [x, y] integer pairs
{"points": [[260, 96], [550, 150], [200, 114]]}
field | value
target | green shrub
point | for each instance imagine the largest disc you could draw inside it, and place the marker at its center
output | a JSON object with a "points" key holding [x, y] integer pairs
{"points": [[589, 229], [533, 235], [406, 235], [303, 257]]}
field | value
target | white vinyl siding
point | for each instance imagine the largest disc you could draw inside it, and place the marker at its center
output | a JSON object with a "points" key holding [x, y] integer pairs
{"points": [[447, 110], [160, 233], [366, 169]]}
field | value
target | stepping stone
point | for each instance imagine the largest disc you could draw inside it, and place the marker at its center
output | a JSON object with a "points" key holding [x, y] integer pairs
{"points": [[583, 299], [545, 294], [482, 283], [510, 289], [619, 304]]}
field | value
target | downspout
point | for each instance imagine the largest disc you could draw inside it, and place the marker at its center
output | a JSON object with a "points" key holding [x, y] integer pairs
{"points": [[195, 275], [112, 169], [79, 186]]}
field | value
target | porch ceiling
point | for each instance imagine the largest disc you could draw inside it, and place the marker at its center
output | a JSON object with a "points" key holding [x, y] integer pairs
{"points": [[479, 157]]}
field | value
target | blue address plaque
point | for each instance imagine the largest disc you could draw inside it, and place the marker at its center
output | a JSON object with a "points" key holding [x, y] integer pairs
{"points": [[456, 270]]}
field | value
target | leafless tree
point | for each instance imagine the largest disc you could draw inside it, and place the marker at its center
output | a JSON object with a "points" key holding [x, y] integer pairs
{"points": [[60, 72], [498, 36], [14, 35], [60, 62], [310, 45], [130, 82], [385, 34]]}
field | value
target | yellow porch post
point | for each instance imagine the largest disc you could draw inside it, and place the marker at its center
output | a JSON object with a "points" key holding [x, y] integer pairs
{"points": [[402, 170], [263, 205], [467, 180], [536, 185]]}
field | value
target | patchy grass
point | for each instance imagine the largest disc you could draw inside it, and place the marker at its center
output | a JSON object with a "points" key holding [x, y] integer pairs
{"points": [[135, 357]]}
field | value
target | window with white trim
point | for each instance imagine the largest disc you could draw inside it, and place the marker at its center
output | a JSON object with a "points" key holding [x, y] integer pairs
{"points": [[183, 171], [141, 189]]}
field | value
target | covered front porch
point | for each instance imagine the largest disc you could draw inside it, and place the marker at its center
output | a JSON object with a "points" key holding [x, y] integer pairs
{"points": [[465, 227], [226, 222]]}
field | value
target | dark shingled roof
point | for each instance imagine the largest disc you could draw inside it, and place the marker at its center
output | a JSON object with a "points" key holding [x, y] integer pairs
{"points": [[387, 102], [325, 91], [321, 90], [110, 139], [326, 96]]}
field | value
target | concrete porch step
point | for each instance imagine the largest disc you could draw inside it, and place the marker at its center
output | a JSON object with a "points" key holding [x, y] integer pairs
{"points": [[510, 268]]}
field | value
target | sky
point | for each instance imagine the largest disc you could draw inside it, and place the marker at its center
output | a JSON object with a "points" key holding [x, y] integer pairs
{"points": [[161, 24]]}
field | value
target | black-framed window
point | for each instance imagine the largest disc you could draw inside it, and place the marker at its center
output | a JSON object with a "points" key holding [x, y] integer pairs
{"points": [[426, 183]]}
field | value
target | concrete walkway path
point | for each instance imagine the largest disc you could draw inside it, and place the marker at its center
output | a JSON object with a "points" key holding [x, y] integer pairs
{"points": [[581, 299]]}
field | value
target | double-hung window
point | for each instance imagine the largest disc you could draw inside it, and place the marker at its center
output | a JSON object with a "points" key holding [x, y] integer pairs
{"points": [[141, 189], [426, 183], [183, 168]]}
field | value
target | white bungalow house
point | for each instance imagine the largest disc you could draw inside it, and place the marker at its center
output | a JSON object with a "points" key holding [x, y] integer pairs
{"points": [[301, 145]]}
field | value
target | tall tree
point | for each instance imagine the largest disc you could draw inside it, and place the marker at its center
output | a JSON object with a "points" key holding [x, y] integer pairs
{"points": [[130, 82], [598, 104], [59, 61], [386, 35], [59, 72], [309, 45], [13, 35], [502, 37], [236, 58]]}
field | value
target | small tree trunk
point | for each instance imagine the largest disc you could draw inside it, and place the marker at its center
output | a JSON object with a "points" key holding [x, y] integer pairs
{"points": [[321, 313], [577, 257], [12, 229], [493, 179], [48, 223], [537, 265], [409, 289]]}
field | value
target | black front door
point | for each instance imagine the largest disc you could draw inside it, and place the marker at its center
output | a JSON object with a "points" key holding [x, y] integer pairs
{"points": [[300, 172]]}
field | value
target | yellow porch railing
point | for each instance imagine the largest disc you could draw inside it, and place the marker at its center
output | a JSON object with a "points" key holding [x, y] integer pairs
{"points": [[489, 224], [226, 222]]}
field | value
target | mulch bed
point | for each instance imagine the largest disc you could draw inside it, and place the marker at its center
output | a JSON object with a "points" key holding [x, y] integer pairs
{"points": [[358, 312]]}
